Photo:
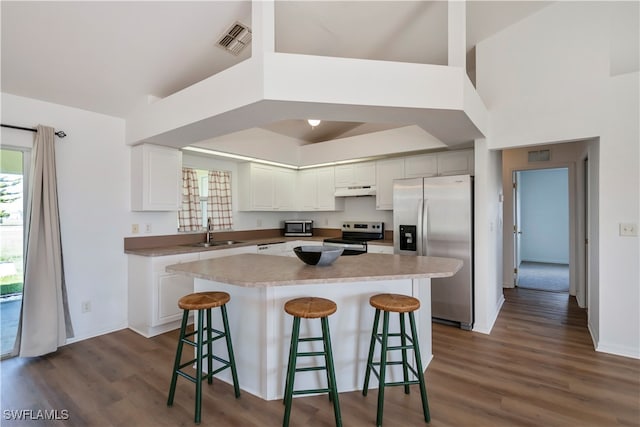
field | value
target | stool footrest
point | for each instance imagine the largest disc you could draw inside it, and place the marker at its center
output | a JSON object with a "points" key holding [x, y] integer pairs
{"points": [[311, 391], [312, 368], [309, 339], [310, 353]]}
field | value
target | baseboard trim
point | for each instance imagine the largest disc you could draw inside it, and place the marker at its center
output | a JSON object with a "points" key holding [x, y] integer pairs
{"points": [[486, 329]]}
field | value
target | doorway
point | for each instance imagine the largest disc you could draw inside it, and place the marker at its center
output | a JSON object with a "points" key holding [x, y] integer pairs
{"points": [[541, 229], [14, 165]]}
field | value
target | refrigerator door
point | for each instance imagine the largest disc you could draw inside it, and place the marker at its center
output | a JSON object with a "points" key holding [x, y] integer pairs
{"points": [[448, 232], [407, 216]]}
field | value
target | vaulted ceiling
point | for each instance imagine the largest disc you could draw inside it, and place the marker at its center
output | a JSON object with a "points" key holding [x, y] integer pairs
{"points": [[109, 57]]}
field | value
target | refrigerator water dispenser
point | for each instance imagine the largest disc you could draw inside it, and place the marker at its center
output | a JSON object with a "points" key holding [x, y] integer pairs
{"points": [[408, 238]]}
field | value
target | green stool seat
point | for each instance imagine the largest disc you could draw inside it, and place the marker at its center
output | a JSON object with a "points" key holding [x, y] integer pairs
{"points": [[310, 308], [401, 304], [203, 302]]}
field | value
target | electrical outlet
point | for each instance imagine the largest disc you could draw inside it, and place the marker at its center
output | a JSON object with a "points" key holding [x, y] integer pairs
{"points": [[147, 228], [135, 228], [628, 229], [86, 306], [259, 222]]}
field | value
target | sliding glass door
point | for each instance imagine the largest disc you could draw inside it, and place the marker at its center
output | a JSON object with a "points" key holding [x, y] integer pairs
{"points": [[13, 187]]}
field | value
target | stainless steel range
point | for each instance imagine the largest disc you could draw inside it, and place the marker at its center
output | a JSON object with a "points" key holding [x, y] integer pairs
{"points": [[355, 236]]}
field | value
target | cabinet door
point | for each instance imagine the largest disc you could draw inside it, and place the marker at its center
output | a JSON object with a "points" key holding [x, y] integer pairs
{"points": [[156, 178], [455, 163], [262, 187], [308, 190], [171, 287], [386, 172], [421, 166], [326, 199], [285, 189], [379, 249], [365, 173], [344, 175]]}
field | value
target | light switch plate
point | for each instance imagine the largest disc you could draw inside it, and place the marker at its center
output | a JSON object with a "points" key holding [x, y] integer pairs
{"points": [[628, 229]]}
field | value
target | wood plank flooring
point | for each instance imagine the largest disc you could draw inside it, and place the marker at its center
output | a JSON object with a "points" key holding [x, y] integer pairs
{"points": [[537, 368]]}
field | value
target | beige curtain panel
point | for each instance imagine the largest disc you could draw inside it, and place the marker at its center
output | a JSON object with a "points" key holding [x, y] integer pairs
{"points": [[190, 216], [219, 200], [45, 322]]}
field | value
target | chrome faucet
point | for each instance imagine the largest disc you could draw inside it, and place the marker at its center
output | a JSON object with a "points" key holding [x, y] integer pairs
{"points": [[209, 230]]}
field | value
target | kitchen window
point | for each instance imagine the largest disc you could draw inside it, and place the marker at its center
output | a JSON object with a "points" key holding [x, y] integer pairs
{"points": [[205, 194]]}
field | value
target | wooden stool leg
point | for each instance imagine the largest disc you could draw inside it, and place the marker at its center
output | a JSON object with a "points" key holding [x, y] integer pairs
{"points": [[383, 367], [291, 371], [423, 388], [199, 366], [372, 346], [328, 354], [176, 364], [232, 359], [405, 364]]}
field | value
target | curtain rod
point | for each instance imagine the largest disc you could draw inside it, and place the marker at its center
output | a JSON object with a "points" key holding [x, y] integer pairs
{"points": [[59, 134]]}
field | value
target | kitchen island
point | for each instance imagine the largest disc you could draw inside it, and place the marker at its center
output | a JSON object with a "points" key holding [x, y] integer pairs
{"points": [[260, 285]]}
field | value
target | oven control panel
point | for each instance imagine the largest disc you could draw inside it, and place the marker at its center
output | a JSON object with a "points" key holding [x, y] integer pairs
{"points": [[363, 227]]}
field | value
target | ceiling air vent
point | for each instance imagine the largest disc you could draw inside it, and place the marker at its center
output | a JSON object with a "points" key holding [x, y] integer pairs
{"points": [[539, 156], [236, 38]]}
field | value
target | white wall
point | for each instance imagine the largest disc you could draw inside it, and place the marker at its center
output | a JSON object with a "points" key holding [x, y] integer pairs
{"points": [[547, 79], [488, 237], [93, 186], [544, 215]]}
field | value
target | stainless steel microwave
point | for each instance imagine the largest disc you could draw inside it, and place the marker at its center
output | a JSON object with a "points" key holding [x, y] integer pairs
{"points": [[298, 227]]}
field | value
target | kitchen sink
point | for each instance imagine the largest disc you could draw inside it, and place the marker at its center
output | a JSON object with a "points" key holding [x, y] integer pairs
{"points": [[215, 243]]}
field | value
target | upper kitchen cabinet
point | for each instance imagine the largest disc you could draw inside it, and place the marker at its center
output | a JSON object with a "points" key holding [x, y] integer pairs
{"points": [[386, 172], [265, 188], [421, 166], [355, 175], [455, 163], [156, 178], [316, 189]]}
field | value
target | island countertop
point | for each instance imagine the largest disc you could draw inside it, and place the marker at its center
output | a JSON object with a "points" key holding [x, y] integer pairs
{"points": [[252, 270]]}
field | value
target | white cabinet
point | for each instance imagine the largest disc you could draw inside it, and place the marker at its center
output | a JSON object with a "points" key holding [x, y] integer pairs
{"points": [[285, 189], [273, 249], [219, 253], [455, 162], [265, 188], [316, 189], [154, 293], [355, 175], [379, 249], [421, 166], [386, 172], [156, 178]]}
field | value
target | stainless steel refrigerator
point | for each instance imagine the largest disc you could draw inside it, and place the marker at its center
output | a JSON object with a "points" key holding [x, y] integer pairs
{"points": [[434, 217]]}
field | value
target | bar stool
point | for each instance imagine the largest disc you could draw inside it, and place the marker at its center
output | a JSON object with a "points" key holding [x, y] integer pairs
{"points": [[203, 302], [310, 308], [398, 304]]}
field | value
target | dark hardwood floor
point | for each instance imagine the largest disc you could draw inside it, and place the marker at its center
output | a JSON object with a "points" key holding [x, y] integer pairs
{"points": [[537, 368]]}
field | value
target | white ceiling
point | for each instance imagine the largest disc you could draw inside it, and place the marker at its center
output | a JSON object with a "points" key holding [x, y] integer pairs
{"points": [[109, 57]]}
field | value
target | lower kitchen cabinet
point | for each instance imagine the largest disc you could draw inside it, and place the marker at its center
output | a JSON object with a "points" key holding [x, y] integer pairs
{"points": [[379, 249], [154, 293]]}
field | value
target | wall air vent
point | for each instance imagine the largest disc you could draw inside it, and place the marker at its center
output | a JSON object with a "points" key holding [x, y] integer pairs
{"points": [[539, 156], [235, 39]]}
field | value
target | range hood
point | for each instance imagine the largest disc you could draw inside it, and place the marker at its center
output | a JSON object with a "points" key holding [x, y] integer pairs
{"points": [[366, 190]]}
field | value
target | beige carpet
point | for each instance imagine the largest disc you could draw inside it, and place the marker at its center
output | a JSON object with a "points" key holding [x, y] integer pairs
{"points": [[544, 276]]}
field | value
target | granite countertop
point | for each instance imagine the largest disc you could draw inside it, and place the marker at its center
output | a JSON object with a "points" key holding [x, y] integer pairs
{"points": [[189, 248], [252, 270]]}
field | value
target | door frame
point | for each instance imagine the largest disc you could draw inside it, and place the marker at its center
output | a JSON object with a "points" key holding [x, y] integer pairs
{"points": [[26, 169], [575, 263]]}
